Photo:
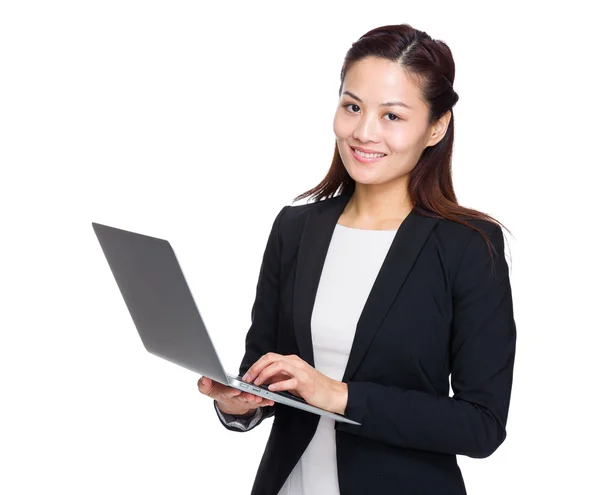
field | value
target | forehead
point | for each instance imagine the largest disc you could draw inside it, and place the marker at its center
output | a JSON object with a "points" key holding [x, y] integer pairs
{"points": [[376, 80]]}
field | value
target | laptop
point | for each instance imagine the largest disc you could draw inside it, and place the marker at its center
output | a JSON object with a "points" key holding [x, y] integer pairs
{"points": [[166, 317]]}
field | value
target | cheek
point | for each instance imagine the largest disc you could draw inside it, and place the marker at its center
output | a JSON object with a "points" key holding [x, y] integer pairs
{"points": [[341, 126], [401, 141]]}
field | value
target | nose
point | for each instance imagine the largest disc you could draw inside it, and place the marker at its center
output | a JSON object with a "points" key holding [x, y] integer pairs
{"points": [[367, 129]]}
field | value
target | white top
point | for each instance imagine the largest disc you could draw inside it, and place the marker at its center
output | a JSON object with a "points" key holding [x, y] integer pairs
{"points": [[352, 264]]}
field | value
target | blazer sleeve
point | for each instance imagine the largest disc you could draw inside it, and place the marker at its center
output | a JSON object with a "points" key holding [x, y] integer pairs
{"points": [[262, 335], [482, 351], [234, 422]]}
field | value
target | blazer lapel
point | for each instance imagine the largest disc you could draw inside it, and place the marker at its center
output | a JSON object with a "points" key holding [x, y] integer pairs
{"points": [[314, 243]]}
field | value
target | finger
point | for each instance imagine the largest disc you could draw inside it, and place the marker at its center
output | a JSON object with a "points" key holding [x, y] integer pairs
{"points": [[277, 378], [205, 385], [251, 398], [230, 392], [216, 390], [257, 400], [257, 367], [261, 401], [290, 385], [282, 365]]}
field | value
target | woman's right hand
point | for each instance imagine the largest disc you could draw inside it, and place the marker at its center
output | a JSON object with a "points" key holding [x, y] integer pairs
{"points": [[231, 400]]}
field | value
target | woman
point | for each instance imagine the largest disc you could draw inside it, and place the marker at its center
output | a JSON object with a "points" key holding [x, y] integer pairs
{"points": [[369, 300]]}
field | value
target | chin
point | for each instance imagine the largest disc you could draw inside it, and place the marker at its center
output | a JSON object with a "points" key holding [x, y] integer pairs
{"points": [[363, 178]]}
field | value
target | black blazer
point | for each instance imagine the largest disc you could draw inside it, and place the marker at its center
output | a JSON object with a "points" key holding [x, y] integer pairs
{"points": [[438, 307]]}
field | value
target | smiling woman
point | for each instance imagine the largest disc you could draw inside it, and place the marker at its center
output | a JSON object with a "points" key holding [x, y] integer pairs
{"points": [[369, 300]]}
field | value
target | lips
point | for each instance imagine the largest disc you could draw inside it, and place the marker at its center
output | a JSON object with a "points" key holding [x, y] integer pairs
{"points": [[365, 159], [364, 150]]}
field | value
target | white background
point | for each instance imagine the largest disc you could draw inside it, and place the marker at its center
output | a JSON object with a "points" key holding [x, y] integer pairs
{"points": [[196, 123]]}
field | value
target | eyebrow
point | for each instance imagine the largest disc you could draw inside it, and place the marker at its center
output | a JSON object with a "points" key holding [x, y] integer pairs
{"points": [[388, 104]]}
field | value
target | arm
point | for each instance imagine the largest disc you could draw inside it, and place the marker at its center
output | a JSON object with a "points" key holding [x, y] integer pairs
{"points": [[262, 335], [482, 353]]}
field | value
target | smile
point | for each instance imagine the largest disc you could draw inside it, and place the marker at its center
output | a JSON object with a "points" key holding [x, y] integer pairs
{"points": [[367, 157]]}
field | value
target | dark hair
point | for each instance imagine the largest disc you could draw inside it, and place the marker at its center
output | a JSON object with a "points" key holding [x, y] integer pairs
{"points": [[430, 64]]}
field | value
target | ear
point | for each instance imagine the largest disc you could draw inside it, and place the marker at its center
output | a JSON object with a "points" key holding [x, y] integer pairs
{"points": [[438, 131]]}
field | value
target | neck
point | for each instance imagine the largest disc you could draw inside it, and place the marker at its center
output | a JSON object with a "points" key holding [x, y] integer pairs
{"points": [[375, 204]]}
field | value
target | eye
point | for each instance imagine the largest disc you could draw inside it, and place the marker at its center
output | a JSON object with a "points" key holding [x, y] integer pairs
{"points": [[394, 119], [350, 105]]}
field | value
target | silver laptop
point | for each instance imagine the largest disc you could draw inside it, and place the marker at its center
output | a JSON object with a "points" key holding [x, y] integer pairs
{"points": [[166, 316]]}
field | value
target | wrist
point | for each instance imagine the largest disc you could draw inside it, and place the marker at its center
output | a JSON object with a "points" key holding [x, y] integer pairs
{"points": [[340, 398]]}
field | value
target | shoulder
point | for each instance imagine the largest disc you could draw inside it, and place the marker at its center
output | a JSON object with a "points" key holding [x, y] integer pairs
{"points": [[458, 236], [293, 217], [296, 212], [291, 220], [462, 247]]}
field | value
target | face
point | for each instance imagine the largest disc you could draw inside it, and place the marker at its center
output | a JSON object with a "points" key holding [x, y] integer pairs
{"points": [[381, 112]]}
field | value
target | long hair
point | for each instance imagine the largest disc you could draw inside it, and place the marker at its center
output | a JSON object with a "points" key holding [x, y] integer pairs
{"points": [[431, 65]]}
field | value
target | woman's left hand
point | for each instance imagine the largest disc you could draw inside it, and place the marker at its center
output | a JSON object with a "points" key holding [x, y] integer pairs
{"points": [[313, 386]]}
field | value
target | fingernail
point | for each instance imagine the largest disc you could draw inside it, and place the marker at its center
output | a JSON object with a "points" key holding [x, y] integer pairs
{"points": [[202, 380]]}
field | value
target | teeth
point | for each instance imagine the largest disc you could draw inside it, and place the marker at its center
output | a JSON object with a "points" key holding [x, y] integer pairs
{"points": [[368, 155]]}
